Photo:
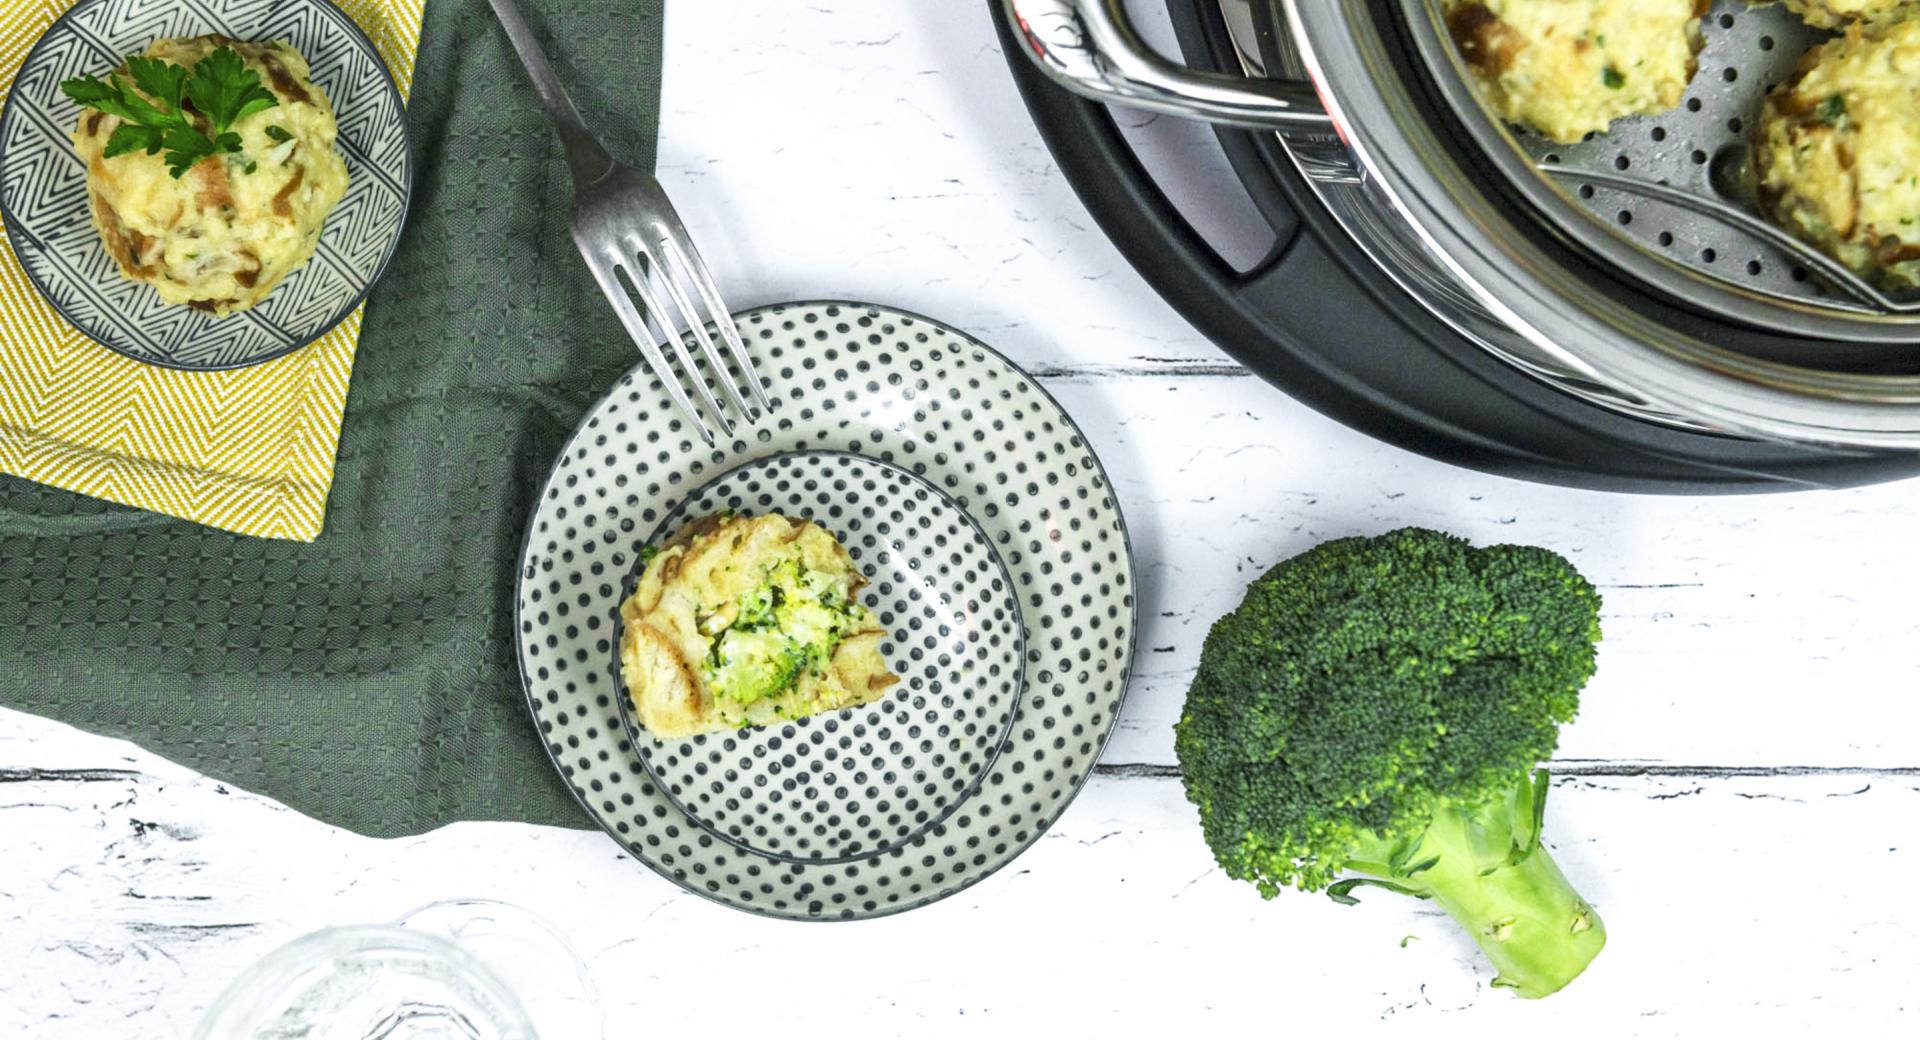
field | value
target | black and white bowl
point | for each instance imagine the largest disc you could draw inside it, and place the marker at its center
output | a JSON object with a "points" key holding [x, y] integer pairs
{"points": [[43, 182]]}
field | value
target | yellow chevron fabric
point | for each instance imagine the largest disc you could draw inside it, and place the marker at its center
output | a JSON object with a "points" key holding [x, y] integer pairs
{"points": [[251, 450]]}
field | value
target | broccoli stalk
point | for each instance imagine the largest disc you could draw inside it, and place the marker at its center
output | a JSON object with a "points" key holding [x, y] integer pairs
{"points": [[1485, 867], [1372, 714]]}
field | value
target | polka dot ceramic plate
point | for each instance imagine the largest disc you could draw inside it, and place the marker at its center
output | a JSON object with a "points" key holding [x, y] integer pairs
{"points": [[997, 559], [838, 787]]}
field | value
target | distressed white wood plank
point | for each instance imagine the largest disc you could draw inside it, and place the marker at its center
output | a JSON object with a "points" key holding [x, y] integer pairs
{"points": [[1742, 631], [1762, 903], [879, 151]]}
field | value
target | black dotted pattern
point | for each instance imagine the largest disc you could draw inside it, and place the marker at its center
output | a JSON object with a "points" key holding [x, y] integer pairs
{"points": [[949, 443], [840, 786]]}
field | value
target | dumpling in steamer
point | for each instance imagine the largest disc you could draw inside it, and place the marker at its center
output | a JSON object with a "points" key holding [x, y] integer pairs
{"points": [[1568, 68], [1837, 152]]}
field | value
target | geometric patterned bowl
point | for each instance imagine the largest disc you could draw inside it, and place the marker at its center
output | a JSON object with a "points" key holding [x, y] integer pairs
{"points": [[43, 187], [948, 472], [841, 786]]}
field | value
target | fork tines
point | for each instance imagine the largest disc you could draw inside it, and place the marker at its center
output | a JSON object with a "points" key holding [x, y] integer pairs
{"points": [[652, 259]]}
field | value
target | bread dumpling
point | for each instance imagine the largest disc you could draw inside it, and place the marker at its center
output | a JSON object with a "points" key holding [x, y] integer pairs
{"points": [[1568, 68], [1837, 152], [748, 621], [222, 235]]}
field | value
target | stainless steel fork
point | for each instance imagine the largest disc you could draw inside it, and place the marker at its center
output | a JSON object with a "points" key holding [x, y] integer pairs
{"points": [[635, 245]]}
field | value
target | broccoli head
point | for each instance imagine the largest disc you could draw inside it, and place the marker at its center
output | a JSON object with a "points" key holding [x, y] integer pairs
{"points": [[1373, 713]]}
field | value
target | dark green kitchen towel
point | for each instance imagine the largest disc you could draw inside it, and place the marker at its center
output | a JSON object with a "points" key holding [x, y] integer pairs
{"points": [[368, 678]]}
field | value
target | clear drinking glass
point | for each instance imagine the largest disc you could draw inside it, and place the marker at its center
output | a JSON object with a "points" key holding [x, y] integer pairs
{"points": [[458, 970]]}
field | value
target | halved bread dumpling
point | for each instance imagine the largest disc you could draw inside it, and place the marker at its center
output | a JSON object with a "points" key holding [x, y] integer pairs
{"points": [[748, 621]]}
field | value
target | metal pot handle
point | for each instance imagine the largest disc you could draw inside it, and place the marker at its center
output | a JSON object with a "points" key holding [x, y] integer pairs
{"points": [[1091, 48]]}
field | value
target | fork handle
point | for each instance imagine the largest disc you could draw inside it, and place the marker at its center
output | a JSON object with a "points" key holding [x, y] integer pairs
{"points": [[588, 158]]}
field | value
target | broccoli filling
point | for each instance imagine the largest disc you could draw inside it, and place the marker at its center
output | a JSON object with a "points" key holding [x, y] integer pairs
{"points": [[786, 627]]}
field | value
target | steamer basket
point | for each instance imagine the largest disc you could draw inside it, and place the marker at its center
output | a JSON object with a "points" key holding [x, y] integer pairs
{"points": [[1633, 269]]}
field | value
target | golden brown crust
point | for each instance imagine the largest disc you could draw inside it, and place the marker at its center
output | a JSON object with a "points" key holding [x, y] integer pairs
{"points": [[1569, 68], [283, 81], [249, 273], [210, 181], [283, 199], [1485, 42], [850, 666], [126, 246]]}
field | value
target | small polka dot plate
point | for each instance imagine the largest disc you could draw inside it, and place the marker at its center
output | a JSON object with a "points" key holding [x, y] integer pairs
{"points": [[996, 557]]}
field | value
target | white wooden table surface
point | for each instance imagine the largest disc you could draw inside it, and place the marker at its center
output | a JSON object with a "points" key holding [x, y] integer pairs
{"points": [[1740, 797]]}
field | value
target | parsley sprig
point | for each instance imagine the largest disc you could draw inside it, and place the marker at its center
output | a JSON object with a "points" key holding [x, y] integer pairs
{"points": [[221, 88]]}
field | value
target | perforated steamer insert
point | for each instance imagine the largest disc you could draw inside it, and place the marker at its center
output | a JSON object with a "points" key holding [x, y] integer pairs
{"points": [[1667, 197], [1630, 276]]}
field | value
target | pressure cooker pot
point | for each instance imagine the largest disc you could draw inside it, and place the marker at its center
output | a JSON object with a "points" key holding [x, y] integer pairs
{"points": [[1633, 269]]}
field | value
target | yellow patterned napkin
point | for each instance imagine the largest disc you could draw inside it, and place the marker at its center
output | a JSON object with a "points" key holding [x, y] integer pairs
{"points": [[250, 450]]}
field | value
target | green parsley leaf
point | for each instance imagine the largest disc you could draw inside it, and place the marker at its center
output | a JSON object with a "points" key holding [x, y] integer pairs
{"points": [[226, 91], [132, 137], [89, 90], [221, 88], [279, 133], [1612, 78], [101, 95], [143, 110], [1832, 109], [185, 147], [163, 80]]}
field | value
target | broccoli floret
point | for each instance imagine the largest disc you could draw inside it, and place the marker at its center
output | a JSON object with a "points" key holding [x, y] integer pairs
{"points": [[1373, 713]]}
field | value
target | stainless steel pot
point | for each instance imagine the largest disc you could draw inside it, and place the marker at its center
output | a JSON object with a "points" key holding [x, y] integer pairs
{"points": [[1709, 317]]}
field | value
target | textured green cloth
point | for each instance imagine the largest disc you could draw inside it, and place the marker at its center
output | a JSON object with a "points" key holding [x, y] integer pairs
{"points": [[369, 678]]}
